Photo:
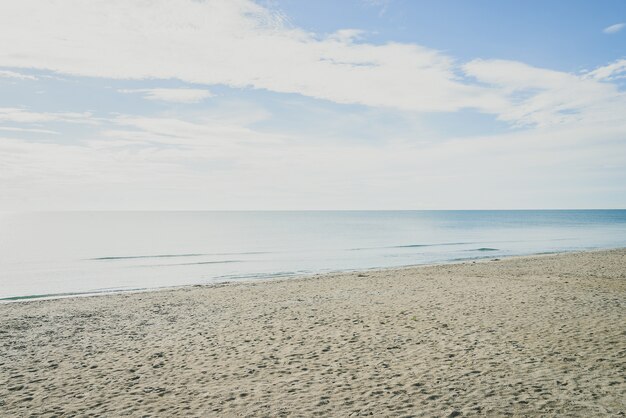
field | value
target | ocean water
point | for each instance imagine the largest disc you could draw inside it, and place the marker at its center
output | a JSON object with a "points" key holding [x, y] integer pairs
{"points": [[68, 253]]}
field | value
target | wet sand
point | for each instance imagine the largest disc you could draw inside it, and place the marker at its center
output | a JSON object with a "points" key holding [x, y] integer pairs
{"points": [[527, 336]]}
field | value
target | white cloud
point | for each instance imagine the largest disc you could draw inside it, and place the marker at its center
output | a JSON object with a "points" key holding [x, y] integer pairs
{"points": [[173, 131], [19, 115], [609, 72], [28, 130], [537, 96], [172, 95], [383, 5], [614, 28], [236, 43], [166, 163], [347, 35], [244, 45], [13, 74], [572, 125]]}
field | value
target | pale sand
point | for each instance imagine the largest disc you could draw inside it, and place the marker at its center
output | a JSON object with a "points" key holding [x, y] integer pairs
{"points": [[527, 336]]}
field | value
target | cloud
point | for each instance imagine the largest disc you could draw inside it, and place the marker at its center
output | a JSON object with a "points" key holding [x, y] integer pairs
{"points": [[609, 72], [172, 95], [168, 162], [570, 128], [28, 130], [19, 115], [13, 74], [383, 5], [241, 44], [236, 43], [542, 97], [614, 28]]}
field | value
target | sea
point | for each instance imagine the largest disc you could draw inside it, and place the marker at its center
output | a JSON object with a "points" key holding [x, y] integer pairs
{"points": [[61, 254]]}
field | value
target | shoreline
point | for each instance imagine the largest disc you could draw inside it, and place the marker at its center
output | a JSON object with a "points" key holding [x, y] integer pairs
{"points": [[278, 277], [540, 335]]}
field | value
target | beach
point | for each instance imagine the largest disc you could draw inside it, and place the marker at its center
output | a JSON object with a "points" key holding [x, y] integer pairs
{"points": [[524, 336]]}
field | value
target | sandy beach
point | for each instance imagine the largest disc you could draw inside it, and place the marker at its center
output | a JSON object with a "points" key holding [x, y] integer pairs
{"points": [[526, 336]]}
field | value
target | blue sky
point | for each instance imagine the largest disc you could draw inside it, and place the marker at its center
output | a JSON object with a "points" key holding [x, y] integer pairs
{"points": [[561, 35], [363, 104]]}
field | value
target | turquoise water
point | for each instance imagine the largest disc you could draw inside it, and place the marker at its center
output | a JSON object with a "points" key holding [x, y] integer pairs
{"points": [[89, 252]]}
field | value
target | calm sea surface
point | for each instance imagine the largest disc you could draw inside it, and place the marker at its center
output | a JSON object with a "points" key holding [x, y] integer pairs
{"points": [[86, 252]]}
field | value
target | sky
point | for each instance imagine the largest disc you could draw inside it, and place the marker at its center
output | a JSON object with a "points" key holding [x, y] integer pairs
{"points": [[294, 104]]}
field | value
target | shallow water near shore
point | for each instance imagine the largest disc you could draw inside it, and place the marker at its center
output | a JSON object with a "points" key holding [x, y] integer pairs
{"points": [[67, 253]]}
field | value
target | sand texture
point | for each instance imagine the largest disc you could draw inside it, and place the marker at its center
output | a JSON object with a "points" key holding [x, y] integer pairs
{"points": [[532, 336]]}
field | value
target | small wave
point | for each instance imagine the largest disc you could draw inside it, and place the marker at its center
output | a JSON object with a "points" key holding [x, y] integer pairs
{"points": [[484, 249], [431, 245], [202, 262], [413, 246], [131, 257], [468, 258], [262, 276], [96, 292], [134, 257], [410, 246]]}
